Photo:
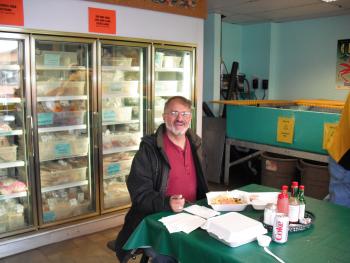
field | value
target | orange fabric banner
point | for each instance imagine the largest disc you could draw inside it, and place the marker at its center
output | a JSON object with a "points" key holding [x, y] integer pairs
{"points": [[11, 12], [102, 21]]}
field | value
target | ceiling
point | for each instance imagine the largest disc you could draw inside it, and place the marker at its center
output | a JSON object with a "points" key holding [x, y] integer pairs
{"points": [[261, 11]]}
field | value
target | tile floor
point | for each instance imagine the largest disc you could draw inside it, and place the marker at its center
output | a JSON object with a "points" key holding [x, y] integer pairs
{"points": [[85, 249]]}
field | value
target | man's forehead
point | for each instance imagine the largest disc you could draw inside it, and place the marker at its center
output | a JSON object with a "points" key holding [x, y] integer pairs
{"points": [[177, 104]]}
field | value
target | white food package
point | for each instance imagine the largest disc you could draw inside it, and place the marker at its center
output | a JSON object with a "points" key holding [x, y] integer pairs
{"points": [[234, 229], [259, 200], [228, 207]]}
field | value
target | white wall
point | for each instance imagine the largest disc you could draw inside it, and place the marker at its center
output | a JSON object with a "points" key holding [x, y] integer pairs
{"points": [[72, 16]]}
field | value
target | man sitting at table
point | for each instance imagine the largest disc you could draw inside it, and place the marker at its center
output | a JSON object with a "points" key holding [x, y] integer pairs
{"points": [[168, 169]]}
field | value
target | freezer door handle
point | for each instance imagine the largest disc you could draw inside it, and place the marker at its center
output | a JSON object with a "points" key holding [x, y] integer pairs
{"points": [[29, 127], [95, 125]]}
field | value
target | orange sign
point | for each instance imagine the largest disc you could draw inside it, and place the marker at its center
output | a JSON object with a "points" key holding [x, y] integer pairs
{"points": [[102, 21], [11, 12]]}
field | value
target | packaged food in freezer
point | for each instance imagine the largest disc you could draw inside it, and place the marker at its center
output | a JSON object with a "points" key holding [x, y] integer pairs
{"points": [[167, 86], [122, 88], [60, 88], [115, 140], [115, 193], [171, 62], [10, 56], [7, 122], [111, 168], [56, 58], [8, 153], [10, 185], [63, 118], [58, 146], [117, 61], [8, 90], [117, 114], [57, 176]]}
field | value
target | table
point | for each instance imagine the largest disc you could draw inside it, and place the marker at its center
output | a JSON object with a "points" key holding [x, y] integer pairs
{"points": [[264, 148], [326, 241]]}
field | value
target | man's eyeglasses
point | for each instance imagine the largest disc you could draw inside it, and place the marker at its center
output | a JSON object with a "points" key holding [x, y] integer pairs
{"points": [[184, 114]]}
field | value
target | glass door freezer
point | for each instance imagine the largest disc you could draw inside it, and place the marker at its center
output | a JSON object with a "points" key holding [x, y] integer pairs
{"points": [[123, 70], [62, 74], [173, 75], [17, 207]]}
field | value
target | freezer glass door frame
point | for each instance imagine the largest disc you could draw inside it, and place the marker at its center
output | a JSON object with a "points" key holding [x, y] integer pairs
{"points": [[123, 78], [64, 91], [19, 197], [169, 72]]}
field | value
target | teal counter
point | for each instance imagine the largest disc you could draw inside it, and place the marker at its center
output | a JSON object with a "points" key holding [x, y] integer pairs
{"points": [[259, 125]]}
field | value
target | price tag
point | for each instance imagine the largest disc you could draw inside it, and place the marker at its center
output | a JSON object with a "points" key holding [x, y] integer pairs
{"points": [[113, 169], [45, 118], [49, 216], [108, 115], [328, 132], [51, 59], [63, 149], [285, 129], [115, 87]]}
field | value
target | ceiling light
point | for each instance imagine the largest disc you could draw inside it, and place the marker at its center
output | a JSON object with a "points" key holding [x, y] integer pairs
{"points": [[328, 1]]}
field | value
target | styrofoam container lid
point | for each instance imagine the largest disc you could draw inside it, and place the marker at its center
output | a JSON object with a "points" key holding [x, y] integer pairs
{"points": [[234, 229]]}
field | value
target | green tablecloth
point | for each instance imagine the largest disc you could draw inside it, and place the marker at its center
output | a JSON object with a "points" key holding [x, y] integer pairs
{"points": [[328, 240]]}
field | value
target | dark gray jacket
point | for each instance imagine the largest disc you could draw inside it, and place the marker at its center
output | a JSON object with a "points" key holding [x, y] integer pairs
{"points": [[147, 182]]}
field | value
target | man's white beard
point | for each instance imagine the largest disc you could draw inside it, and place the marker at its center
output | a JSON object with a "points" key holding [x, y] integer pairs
{"points": [[175, 131]]}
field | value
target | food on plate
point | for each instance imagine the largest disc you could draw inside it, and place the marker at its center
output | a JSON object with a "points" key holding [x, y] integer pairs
{"points": [[226, 200]]}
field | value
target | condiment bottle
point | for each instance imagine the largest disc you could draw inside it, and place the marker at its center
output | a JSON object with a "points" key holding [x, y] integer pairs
{"points": [[283, 203], [270, 214], [293, 211], [301, 203], [285, 189]]}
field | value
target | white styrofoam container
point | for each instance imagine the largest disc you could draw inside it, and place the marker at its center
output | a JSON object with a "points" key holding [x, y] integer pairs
{"points": [[228, 207], [234, 229], [260, 199]]}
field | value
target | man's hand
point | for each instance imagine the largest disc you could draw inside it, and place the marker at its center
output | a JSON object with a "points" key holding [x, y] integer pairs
{"points": [[177, 203]]}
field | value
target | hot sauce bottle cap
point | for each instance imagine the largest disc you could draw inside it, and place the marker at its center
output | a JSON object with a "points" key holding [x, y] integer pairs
{"points": [[282, 195]]}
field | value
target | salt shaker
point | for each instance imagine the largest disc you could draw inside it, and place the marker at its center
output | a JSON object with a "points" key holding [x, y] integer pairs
{"points": [[270, 214]]}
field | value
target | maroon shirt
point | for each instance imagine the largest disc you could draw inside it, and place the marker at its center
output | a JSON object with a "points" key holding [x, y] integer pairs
{"points": [[182, 175]]}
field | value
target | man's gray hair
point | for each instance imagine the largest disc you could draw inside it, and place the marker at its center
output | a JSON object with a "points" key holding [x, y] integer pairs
{"points": [[182, 100]]}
